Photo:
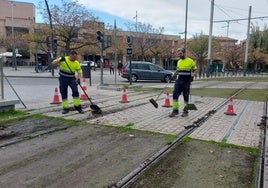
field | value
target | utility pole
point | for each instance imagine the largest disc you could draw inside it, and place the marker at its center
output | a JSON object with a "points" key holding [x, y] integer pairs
{"points": [[210, 37], [247, 42], [115, 48], [14, 61], [2, 78], [185, 29]]}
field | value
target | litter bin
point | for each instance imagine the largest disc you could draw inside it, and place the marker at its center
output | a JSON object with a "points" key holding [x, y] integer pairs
{"points": [[86, 71]]}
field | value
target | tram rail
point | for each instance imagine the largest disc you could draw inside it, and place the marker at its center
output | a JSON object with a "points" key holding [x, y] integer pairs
{"points": [[133, 175]]}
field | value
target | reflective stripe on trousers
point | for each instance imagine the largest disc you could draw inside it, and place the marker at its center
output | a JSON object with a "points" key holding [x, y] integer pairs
{"points": [[66, 82], [181, 87]]}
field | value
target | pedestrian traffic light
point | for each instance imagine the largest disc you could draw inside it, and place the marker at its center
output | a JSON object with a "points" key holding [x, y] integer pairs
{"points": [[100, 36]]}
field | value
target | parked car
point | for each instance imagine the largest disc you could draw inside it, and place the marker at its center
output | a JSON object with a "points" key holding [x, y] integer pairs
{"points": [[141, 70], [92, 64]]}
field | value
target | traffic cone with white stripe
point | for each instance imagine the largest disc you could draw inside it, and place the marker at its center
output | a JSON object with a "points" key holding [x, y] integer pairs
{"points": [[124, 96], [56, 98], [230, 109], [167, 101], [83, 96]]}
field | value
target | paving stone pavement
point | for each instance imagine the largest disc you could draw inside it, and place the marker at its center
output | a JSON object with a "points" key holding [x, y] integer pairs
{"points": [[241, 129]]}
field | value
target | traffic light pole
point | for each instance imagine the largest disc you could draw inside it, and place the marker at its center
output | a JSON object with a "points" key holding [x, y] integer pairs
{"points": [[101, 64], [51, 56], [129, 53], [100, 38]]}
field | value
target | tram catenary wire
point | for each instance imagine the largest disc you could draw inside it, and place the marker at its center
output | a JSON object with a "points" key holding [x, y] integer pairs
{"points": [[241, 19]]}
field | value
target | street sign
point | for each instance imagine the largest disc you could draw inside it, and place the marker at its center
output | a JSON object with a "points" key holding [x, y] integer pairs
{"points": [[129, 51]]}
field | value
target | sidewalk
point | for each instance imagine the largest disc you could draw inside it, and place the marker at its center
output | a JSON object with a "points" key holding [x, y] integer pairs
{"points": [[27, 71]]}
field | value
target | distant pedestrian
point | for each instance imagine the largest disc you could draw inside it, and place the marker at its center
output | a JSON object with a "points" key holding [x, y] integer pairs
{"points": [[119, 67], [111, 68], [70, 74]]}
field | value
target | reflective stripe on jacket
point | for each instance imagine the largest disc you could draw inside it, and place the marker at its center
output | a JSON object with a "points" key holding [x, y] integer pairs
{"points": [[65, 70], [186, 67]]}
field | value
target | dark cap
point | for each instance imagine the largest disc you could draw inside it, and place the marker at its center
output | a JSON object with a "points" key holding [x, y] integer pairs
{"points": [[181, 49], [73, 52]]}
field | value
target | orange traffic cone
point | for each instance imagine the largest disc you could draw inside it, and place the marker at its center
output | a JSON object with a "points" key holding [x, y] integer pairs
{"points": [[167, 100], [230, 109], [83, 96], [56, 98], [124, 96]]}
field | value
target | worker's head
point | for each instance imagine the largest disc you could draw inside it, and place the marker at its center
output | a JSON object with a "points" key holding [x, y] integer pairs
{"points": [[73, 55], [181, 52]]}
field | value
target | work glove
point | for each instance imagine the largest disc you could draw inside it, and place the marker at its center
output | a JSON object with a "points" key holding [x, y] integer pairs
{"points": [[174, 77], [62, 58], [78, 81]]}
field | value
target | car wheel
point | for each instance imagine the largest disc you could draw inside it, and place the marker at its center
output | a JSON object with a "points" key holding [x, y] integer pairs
{"points": [[167, 78], [134, 78]]}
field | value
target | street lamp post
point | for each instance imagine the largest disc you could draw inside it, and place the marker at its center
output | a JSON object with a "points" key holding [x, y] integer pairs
{"points": [[210, 37]]}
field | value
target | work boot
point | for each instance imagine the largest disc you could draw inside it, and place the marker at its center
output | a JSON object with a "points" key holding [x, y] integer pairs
{"points": [[184, 113], [65, 110], [174, 113], [79, 109]]}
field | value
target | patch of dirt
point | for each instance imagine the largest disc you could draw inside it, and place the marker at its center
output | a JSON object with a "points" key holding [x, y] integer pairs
{"points": [[203, 165], [79, 156], [23, 128], [97, 156]]}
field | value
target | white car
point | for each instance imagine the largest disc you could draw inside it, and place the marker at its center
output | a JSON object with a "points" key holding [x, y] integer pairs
{"points": [[93, 65]]}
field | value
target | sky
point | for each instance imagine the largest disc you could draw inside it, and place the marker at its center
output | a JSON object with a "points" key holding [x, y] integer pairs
{"points": [[171, 14]]}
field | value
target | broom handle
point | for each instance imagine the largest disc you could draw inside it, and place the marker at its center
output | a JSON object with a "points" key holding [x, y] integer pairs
{"points": [[190, 93], [163, 90]]}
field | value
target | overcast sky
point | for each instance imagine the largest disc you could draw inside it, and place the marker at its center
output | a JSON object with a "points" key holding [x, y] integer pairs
{"points": [[170, 14]]}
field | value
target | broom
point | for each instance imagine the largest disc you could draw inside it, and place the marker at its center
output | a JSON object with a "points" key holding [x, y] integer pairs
{"points": [[190, 106]]}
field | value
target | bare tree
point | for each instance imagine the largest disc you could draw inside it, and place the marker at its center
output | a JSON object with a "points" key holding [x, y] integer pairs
{"points": [[145, 39], [68, 20]]}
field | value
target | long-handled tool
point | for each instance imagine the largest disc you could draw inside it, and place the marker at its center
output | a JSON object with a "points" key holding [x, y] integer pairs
{"points": [[190, 106], [95, 109], [153, 101]]}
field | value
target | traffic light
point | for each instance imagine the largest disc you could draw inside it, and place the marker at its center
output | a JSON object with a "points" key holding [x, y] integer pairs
{"points": [[129, 40], [48, 41], [108, 41], [55, 45], [100, 36]]}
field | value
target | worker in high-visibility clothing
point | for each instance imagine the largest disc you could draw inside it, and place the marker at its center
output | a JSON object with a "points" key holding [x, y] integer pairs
{"points": [[186, 70], [70, 73]]}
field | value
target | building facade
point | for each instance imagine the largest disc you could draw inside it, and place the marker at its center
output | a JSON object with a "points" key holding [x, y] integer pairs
{"points": [[19, 17], [16, 17]]}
